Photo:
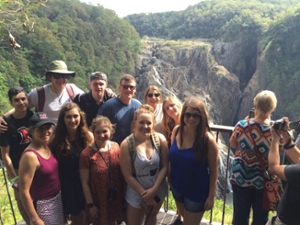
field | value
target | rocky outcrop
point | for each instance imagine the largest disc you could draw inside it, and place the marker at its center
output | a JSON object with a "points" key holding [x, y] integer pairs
{"points": [[189, 69], [238, 57]]}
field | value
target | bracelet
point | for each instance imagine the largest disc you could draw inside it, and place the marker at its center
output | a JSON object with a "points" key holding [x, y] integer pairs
{"points": [[90, 205], [287, 144], [290, 146]]}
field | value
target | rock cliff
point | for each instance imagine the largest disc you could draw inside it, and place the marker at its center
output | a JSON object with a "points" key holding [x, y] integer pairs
{"points": [[189, 69]]}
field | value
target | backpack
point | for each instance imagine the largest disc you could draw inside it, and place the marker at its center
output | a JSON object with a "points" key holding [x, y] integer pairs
{"points": [[132, 149], [41, 96]]}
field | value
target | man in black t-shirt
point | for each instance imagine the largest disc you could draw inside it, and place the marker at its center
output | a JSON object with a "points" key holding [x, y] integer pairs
{"points": [[91, 101], [16, 139]]}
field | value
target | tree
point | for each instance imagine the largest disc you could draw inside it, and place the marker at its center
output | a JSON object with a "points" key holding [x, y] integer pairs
{"points": [[14, 17]]}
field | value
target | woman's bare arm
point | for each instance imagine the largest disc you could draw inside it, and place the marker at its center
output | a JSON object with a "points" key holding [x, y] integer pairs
{"points": [[28, 166], [212, 156]]}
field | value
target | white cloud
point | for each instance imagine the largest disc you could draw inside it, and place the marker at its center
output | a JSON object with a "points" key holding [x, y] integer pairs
{"points": [[126, 7]]}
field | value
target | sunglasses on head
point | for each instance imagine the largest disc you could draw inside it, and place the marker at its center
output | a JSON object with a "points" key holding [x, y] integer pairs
{"points": [[194, 115], [57, 76], [128, 86], [150, 95]]}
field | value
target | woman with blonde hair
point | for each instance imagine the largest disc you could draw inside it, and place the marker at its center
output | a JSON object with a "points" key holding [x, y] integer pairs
{"points": [[144, 164], [171, 116], [247, 174], [153, 97], [193, 163], [102, 180], [70, 137]]}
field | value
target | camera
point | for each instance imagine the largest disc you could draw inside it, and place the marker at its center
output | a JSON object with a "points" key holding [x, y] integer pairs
{"points": [[295, 125], [251, 113], [112, 193], [279, 124]]}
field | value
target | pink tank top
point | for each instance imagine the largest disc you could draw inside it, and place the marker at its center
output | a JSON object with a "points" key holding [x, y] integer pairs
{"points": [[45, 183]]}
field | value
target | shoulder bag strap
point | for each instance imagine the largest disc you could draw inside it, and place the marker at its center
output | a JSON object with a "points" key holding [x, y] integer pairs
{"points": [[156, 142], [132, 152], [70, 91], [255, 148], [41, 98]]}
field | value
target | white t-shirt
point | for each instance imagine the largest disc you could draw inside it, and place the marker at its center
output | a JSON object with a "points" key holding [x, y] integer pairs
{"points": [[146, 174], [158, 113], [53, 102]]}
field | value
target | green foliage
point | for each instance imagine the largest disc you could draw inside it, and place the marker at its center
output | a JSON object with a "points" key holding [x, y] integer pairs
{"points": [[281, 56], [88, 38], [225, 19]]}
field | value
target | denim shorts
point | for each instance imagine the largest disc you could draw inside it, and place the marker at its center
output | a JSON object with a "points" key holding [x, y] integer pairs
{"points": [[189, 205]]}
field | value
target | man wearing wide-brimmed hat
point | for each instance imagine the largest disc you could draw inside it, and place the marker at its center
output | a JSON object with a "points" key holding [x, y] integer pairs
{"points": [[51, 97], [57, 93]]}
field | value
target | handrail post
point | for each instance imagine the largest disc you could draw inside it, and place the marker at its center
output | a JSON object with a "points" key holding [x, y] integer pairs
{"points": [[8, 194], [226, 129], [211, 211], [225, 189]]}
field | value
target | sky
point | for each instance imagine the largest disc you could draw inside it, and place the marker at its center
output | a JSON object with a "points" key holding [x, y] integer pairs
{"points": [[126, 7]]}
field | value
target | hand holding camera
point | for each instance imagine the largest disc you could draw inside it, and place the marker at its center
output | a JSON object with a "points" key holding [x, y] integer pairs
{"points": [[279, 124], [280, 130]]}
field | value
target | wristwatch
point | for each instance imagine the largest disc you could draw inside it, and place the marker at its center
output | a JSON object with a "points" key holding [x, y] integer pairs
{"points": [[90, 205]]}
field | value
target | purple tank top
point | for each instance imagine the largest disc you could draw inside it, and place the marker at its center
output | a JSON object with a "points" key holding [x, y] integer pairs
{"points": [[45, 183]]}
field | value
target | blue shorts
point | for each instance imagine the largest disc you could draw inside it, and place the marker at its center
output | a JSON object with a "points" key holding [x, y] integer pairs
{"points": [[189, 205]]}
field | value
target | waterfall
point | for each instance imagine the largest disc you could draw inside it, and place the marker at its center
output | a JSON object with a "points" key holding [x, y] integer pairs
{"points": [[186, 79], [157, 78], [161, 82]]}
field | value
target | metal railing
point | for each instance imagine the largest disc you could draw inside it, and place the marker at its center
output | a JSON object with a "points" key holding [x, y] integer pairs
{"points": [[6, 184], [228, 130], [215, 128]]}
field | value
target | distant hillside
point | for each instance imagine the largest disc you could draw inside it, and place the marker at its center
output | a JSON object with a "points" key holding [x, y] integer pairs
{"points": [[88, 38], [218, 19], [257, 41]]}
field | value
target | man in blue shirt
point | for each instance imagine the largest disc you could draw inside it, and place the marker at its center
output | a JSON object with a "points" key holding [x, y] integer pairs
{"points": [[120, 110]]}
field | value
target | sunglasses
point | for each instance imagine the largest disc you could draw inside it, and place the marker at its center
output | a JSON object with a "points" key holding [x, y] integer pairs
{"points": [[194, 115], [125, 87], [57, 76], [150, 95]]}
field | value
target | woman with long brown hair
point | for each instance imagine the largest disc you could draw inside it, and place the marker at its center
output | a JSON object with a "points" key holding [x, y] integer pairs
{"points": [[70, 137], [193, 163]]}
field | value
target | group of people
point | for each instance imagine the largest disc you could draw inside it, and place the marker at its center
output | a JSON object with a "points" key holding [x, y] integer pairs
{"points": [[103, 158]]}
